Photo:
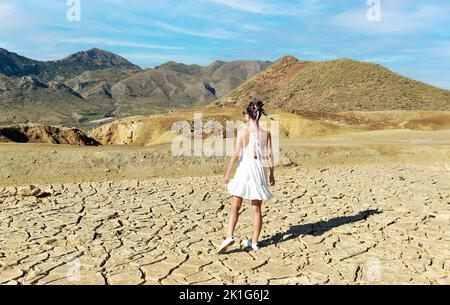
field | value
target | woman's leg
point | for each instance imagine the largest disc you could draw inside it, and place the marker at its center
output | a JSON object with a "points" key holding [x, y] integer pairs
{"points": [[257, 220], [234, 215]]}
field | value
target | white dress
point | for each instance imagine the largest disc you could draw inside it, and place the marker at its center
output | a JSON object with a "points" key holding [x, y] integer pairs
{"points": [[250, 181]]}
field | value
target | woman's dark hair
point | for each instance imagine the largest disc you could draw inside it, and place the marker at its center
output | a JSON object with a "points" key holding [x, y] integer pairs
{"points": [[255, 110]]}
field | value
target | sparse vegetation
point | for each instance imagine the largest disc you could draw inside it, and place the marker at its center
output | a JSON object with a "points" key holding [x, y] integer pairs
{"points": [[339, 85]]}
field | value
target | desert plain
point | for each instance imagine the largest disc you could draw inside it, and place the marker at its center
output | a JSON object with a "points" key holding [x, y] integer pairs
{"points": [[366, 207]]}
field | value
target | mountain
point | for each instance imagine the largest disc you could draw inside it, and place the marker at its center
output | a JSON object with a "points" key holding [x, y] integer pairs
{"points": [[157, 91], [176, 85], [336, 86], [91, 60], [28, 99], [220, 77], [70, 91], [94, 84], [14, 65], [98, 83]]}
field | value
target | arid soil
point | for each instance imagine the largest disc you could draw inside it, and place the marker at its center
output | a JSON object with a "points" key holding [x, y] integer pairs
{"points": [[366, 209], [343, 224], [41, 163]]}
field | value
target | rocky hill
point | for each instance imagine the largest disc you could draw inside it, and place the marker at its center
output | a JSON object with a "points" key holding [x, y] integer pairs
{"points": [[14, 65], [157, 129], [220, 77], [175, 85], [94, 84], [28, 99], [98, 83], [44, 134], [334, 86]]}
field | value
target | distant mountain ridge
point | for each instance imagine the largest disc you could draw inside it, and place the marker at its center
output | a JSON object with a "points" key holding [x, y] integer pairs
{"points": [[105, 84], [219, 75], [14, 65]]}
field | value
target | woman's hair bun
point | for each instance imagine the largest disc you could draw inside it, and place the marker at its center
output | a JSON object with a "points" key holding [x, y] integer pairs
{"points": [[254, 109]]}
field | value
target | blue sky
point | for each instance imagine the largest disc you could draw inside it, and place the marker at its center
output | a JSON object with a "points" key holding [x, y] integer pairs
{"points": [[412, 38]]}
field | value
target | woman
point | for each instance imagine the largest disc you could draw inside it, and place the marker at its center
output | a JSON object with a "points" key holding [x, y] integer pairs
{"points": [[250, 181]]}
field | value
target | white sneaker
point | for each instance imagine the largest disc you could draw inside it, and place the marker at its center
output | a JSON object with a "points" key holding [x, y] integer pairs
{"points": [[225, 244], [248, 245]]}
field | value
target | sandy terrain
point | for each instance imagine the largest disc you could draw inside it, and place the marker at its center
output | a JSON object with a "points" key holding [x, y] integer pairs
{"points": [[41, 163], [372, 208]]}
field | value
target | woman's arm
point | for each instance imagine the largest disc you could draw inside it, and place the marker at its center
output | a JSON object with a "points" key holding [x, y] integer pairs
{"points": [[270, 159], [234, 157]]}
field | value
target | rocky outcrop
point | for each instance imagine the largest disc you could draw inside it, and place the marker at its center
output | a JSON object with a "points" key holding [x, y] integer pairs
{"points": [[45, 134]]}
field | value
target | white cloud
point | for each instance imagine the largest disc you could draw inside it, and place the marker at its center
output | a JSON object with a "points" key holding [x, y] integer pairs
{"points": [[8, 14], [394, 19], [213, 33], [259, 7], [14, 20], [247, 6], [442, 49], [252, 27], [118, 43], [7, 10], [385, 59]]}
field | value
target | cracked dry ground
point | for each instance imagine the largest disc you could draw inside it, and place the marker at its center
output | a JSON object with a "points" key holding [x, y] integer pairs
{"points": [[338, 225]]}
